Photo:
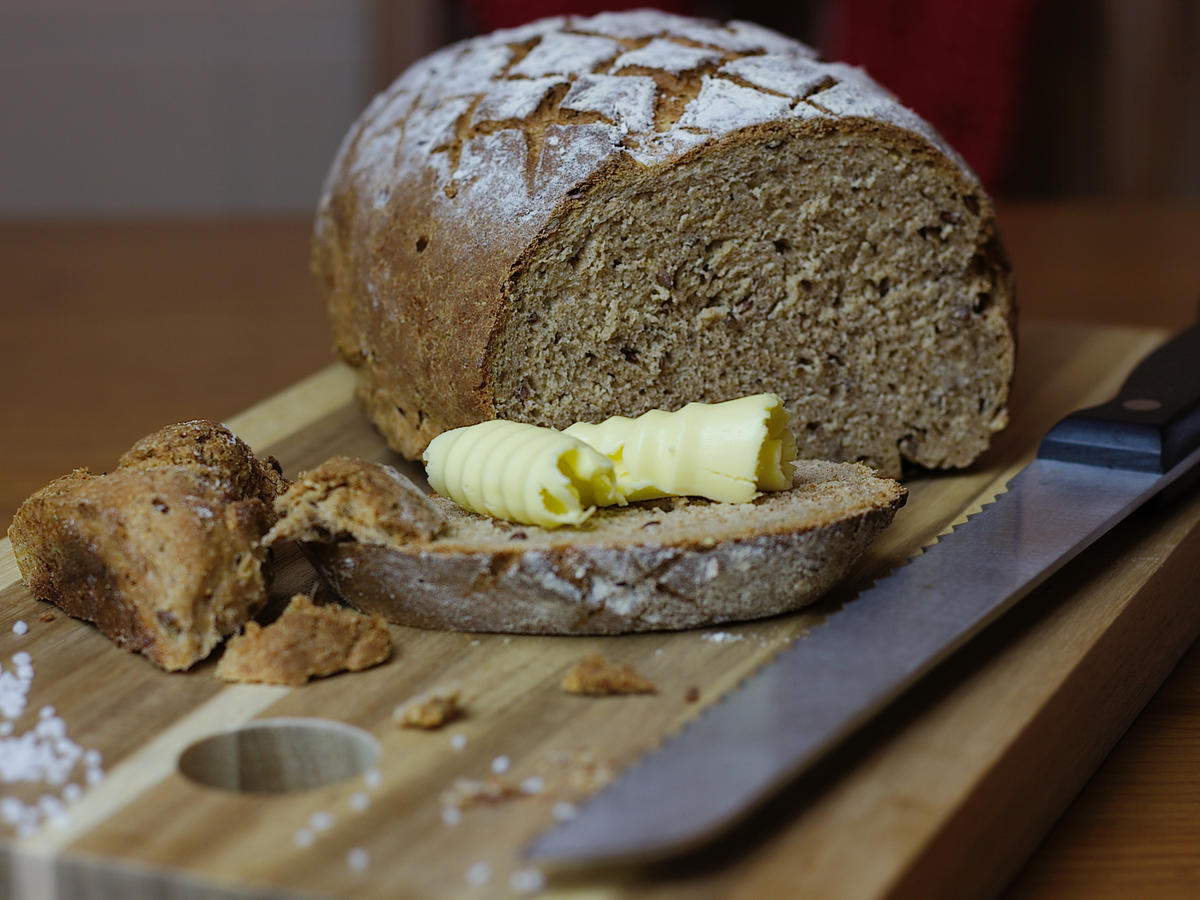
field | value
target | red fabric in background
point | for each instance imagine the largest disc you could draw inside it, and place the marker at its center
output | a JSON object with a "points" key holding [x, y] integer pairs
{"points": [[957, 63], [489, 15]]}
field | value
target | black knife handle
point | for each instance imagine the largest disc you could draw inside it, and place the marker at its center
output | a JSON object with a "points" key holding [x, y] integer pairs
{"points": [[1152, 423]]}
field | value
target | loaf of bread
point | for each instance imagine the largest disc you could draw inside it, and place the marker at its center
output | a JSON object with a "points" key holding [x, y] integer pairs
{"points": [[659, 564], [591, 216]]}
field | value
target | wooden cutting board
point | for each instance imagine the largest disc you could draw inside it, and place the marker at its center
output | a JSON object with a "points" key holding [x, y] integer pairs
{"points": [[944, 796]]}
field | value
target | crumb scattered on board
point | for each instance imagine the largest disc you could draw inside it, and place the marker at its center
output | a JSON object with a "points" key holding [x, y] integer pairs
{"points": [[431, 709], [306, 641], [596, 676]]}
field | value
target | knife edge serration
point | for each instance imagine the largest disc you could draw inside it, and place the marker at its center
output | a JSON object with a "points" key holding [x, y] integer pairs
{"points": [[807, 699]]}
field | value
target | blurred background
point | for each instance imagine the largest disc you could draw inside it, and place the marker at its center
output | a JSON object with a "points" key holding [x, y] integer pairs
{"points": [[193, 107], [160, 161]]}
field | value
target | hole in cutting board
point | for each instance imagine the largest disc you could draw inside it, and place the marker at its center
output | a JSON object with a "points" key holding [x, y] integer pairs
{"points": [[279, 755]]}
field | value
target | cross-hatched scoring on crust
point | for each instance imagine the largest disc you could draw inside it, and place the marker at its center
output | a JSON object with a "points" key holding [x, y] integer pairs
{"points": [[661, 91]]}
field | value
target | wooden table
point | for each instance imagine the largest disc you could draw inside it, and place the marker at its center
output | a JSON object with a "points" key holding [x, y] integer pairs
{"points": [[112, 330]]}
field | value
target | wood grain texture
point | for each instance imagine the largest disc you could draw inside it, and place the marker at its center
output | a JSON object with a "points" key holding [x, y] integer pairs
{"points": [[113, 329], [944, 796]]}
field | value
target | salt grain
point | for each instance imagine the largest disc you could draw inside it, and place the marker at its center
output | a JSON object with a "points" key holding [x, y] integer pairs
{"points": [[479, 874], [564, 811], [722, 637], [458, 741], [527, 881], [358, 859], [40, 755], [534, 784], [451, 815], [19, 627], [501, 764], [359, 801], [303, 837], [320, 821], [372, 778]]}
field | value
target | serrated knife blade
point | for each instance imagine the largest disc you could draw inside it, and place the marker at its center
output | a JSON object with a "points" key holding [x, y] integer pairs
{"points": [[1093, 469]]}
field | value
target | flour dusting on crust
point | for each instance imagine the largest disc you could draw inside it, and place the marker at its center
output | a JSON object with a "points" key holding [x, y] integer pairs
{"points": [[493, 115]]}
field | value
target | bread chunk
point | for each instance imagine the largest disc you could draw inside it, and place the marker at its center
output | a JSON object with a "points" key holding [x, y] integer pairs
{"points": [[163, 553], [306, 641], [596, 216], [659, 564], [354, 499], [595, 675]]}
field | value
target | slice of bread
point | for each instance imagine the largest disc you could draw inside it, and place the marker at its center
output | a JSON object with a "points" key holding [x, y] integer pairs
{"points": [[661, 564]]}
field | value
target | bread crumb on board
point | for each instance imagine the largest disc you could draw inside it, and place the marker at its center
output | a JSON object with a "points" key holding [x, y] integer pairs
{"points": [[596, 676], [432, 709], [306, 641]]}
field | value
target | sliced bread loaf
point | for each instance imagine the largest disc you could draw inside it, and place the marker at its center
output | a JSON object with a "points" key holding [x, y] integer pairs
{"points": [[660, 564], [596, 216]]}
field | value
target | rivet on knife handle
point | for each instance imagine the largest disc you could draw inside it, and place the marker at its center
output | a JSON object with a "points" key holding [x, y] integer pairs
{"points": [[1152, 423]]}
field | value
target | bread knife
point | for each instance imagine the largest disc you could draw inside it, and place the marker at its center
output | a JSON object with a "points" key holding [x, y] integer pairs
{"points": [[1092, 469]]}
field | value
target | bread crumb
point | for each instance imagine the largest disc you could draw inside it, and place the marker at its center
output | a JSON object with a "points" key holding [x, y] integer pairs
{"points": [[596, 676], [430, 710], [46, 617], [306, 641], [467, 792], [585, 773]]}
